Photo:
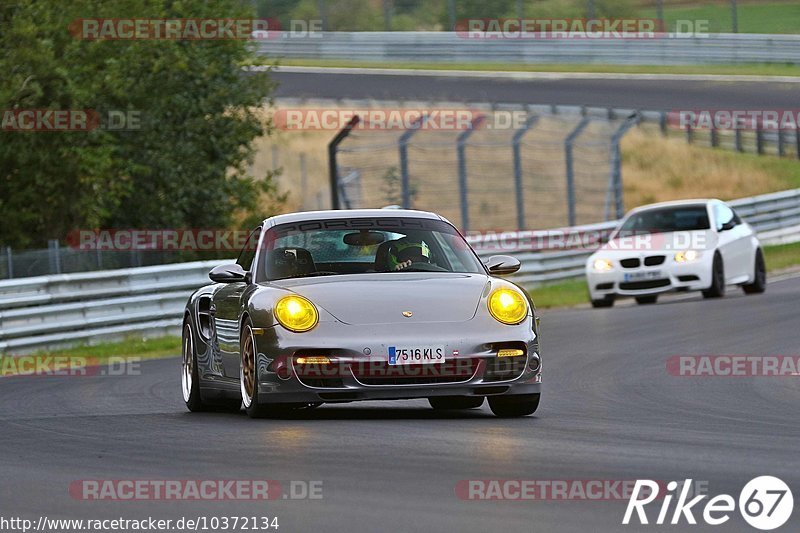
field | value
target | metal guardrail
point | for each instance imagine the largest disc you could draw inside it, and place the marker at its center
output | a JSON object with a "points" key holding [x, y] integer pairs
{"points": [[52, 311], [435, 47]]}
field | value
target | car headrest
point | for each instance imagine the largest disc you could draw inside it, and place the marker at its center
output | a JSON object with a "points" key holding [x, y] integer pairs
{"points": [[289, 262]]}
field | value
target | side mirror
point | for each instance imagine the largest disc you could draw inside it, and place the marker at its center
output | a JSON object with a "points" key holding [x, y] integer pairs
{"points": [[230, 273], [729, 225], [500, 265]]}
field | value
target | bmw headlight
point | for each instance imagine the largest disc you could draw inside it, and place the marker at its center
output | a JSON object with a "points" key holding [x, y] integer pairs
{"points": [[508, 306], [602, 265], [296, 313], [687, 256]]}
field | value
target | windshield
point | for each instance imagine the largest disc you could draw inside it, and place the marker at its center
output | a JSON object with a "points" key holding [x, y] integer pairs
{"points": [[666, 219], [365, 245]]}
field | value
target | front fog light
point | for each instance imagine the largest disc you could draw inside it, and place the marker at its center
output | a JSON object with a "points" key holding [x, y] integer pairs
{"points": [[687, 256], [602, 265]]}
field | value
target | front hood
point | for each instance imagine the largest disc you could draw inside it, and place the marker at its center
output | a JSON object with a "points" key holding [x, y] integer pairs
{"points": [[363, 299], [659, 243]]}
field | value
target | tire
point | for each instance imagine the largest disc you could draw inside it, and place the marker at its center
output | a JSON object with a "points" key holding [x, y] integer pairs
{"points": [[646, 300], [607, 301], [717, 288], [443, 403], [514, 406], [190, 382], [759, 284]]}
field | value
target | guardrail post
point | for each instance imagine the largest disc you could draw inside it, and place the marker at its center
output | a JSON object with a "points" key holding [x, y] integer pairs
{"points": [[518, 169], [462, 169], [568, 142], [689, 136], [615, 177], [405, 182], [714, 137], [54, 256], [662, 123], [333, 167], [759, 139]]}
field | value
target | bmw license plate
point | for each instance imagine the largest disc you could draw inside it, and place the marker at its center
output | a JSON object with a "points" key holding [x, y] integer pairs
{"points": [[643, 275], [415, 355]]}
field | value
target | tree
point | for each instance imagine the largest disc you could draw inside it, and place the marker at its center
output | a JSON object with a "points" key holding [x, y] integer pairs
{"points": [[185, 165]]}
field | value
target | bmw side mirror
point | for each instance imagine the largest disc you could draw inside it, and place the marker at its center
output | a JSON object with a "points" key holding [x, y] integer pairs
{"points": [[500, 265], [728, 226], [230, 273]]}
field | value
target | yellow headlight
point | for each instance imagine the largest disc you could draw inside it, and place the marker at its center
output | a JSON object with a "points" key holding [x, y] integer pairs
{"points": [[508, 306], [296, 313], [602, 265]]}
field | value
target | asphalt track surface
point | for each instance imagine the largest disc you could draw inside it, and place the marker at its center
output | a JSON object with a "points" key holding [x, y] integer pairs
{"points": [[623, 93], [610, 411]]}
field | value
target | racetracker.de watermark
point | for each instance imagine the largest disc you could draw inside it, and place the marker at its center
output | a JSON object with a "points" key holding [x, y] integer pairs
{"points": [[588, 239], [192, 29], [172, 240], [559, 489], [194, 489], [68, 365], [734, 366], [735, 119], [576, 29], [43, 120], [399, 119]]}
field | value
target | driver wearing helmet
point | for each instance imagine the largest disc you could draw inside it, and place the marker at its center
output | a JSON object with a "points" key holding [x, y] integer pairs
{"points": [[406, 252]]}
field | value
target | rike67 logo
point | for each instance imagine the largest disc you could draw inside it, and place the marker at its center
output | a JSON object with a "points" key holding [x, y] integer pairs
{"points": [[765, 503]]}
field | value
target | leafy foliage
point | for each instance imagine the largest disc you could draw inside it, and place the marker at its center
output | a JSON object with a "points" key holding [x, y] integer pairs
{"points": [[185, 165]]}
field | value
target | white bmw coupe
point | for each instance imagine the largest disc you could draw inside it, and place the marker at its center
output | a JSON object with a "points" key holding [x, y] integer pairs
{"points": [[687, 245]]}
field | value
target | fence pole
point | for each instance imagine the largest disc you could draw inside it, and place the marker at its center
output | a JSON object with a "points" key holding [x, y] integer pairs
{"points": [[739, 143], [518, 169], [451, 14], [54, 256], [10, 260], [759, 139], [304, 179], [615, 179], [689, 134], [662, 123], [797, 140], [405, 181], [323, 14], [714, 137], [462, 169], [568, 142], [781, 142], [332, 164]]}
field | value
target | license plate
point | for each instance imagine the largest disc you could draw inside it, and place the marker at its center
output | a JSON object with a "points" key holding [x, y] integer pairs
{"points": [[415, 355], [643, 275]]}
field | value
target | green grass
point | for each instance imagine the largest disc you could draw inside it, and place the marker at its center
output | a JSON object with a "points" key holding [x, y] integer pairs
{"points": [[758, 69], [782, 256], [133, 347], [772, 17], [574, 292]]}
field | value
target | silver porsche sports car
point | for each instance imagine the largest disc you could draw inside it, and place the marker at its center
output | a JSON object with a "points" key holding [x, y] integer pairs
{"points": [[339, 306]]}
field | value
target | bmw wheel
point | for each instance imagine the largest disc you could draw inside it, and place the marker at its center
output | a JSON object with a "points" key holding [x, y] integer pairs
{"points": [[759, 284], [717, 288]]}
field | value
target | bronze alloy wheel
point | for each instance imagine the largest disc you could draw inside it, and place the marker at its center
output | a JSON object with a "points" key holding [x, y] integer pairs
{"points": [[248, 367]]}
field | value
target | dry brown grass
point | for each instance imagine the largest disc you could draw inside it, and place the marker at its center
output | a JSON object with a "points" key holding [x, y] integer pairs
{"points": [[657, 169]]}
